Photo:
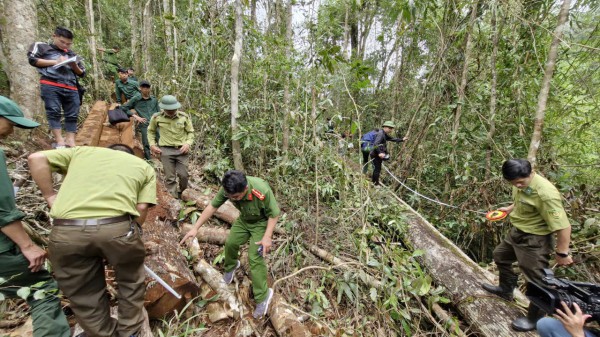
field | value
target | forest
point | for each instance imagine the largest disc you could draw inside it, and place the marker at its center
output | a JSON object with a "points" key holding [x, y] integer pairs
{"points": [[284, 89]]}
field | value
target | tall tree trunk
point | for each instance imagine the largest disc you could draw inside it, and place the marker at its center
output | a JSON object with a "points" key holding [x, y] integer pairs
{"points": [[147, 35], [286, 89], [253, 11], [135, 33], [463, 77], [89, 12], [18, 28], [175, 52], [493, 85], [235, 68], [168, 29], [536, 138]]}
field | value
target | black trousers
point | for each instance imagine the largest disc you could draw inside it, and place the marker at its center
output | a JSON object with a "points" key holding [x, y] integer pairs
{"points": [[376, 168]]}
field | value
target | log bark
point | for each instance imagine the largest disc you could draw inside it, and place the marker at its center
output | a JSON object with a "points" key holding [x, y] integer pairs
{"points": [[227, 212], [164, 258], [211, 276], [90, 131], [462, 277]]}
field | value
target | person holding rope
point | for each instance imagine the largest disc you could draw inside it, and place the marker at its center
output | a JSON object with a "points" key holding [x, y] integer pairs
{"points": [[374, 145], [536, 214]]}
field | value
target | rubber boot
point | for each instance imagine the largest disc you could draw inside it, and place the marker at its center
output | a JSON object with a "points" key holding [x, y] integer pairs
{"points": [[505, 289], [528, 323]]}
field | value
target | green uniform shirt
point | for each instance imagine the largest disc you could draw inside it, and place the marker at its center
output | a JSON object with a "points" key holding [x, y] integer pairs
{"points": [[100, 183], [129, 89], [257, 205], [8, 209], [174, 131], [538, 208], [145, 107]]}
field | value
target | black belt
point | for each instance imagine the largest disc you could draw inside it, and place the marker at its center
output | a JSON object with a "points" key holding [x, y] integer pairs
{"points": [[172, 147], [91, 222]]}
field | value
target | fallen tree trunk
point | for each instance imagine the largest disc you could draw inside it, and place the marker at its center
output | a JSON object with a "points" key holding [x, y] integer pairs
{"points": [[90, 131], [227, 212], [215, 280], [163, 257], [462, 277]]}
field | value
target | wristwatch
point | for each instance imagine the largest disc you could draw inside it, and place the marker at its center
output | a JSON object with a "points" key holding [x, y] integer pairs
{"points": [[562, 254]]}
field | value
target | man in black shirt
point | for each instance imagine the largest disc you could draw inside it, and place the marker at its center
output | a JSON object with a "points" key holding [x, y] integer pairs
{"points": [[379, 152]]}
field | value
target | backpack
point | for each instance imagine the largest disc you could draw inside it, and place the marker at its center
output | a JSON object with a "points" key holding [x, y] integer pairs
{"points": [[367, 140]]}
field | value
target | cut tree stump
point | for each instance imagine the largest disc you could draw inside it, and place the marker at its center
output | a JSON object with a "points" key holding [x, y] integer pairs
{"points": [[165, 259]]}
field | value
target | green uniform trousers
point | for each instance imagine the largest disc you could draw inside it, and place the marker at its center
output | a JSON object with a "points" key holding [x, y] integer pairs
{"points": [[175, 167], [142, 129], [239, 234], [532, 252], [46, 313], [77, 254]]}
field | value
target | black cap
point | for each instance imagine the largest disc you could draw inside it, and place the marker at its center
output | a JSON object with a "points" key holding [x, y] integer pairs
{"points": [[144, 83], [122, 70]]}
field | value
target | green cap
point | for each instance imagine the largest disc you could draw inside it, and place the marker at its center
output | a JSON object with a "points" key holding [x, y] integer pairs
{"points": [[389, 124], [11, 111], [169, 102]]}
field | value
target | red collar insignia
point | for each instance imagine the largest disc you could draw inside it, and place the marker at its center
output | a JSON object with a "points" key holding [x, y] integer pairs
{"points": [[258, 194]]}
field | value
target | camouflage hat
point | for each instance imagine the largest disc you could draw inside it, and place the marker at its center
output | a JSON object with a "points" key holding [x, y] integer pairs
{"points": [[389, 124]]}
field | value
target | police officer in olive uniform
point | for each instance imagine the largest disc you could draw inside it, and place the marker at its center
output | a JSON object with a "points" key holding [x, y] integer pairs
{"points": [[258, 216], [176, 137], [22, 261]]}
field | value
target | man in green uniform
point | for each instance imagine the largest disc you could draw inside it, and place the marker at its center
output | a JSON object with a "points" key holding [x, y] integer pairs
{"points": [[258, 216], [145, 106], [131, 74], [176, 137], [125, 88], [111, 62], [97, 215], [21, 261], [536, 214]]}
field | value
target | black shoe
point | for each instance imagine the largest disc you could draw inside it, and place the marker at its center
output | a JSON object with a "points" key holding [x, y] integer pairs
{"points": [[499, 291], [529, 322]]}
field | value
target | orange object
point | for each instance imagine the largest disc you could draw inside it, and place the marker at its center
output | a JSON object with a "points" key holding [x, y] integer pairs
{"points": [[496, 215]]}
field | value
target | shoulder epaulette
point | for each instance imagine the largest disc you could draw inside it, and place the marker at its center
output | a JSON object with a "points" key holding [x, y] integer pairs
{"points": [[258, 194]]}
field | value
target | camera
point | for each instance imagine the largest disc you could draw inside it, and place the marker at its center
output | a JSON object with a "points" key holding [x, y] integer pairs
{"points": [[548, 295]]}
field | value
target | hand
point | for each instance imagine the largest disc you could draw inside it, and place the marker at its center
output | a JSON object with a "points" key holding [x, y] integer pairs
{"points": [[381, 155], [507, 209], [35, 255], [189, 235], [140, 119], [185, 148], [404, 139], [155, 149], [50, 200], [564, 261], [573, 322], [266, 243]]}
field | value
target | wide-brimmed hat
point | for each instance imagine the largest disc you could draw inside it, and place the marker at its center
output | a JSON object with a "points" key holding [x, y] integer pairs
{"points": [[169, 102], [389, 124], [11, 111]]}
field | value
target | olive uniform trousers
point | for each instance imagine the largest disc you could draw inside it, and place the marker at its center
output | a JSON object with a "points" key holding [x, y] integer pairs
{"points": [[239, 234], [532, 252], [175, 167], [77, 254], [46, 313]]}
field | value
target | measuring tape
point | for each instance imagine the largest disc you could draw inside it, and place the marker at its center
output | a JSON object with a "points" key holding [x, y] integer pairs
{"points": [[495, 215]]}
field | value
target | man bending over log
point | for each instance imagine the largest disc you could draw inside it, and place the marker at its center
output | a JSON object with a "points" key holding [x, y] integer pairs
{"points": [[536, 214], [97, 215], [258, 216]]}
